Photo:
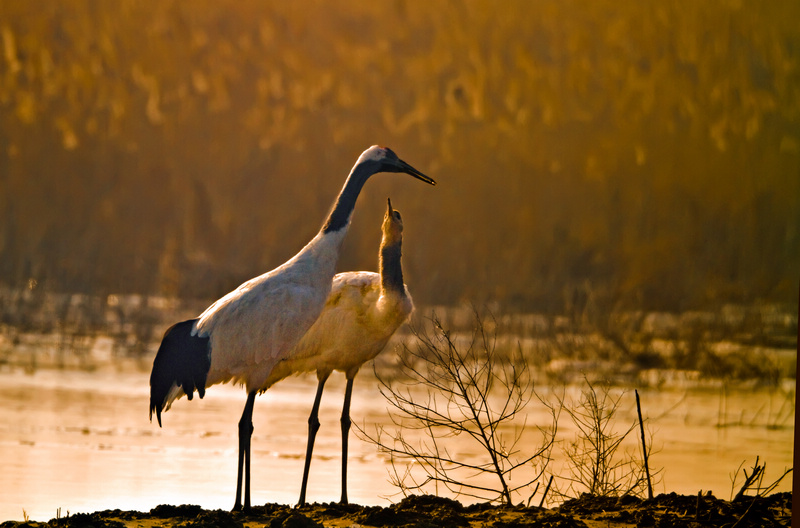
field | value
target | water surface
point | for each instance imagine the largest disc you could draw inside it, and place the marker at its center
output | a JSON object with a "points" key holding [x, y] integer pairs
{"points": [[82, 442]]}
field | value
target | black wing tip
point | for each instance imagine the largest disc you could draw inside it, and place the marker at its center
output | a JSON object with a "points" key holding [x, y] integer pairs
{"points": [[157, 409], [182, 360]]}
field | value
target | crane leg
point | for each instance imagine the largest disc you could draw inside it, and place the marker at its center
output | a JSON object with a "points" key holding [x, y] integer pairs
{"points": [[313, 427], [245, 435], [345, 432]]}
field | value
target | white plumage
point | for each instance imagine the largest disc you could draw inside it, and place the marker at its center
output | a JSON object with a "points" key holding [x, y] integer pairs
{"points": [[355, 326], [254, 326], [243, 335]]}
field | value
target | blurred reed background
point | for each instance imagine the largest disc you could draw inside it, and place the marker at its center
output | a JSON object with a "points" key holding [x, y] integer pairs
{"points": [[640, 155]]}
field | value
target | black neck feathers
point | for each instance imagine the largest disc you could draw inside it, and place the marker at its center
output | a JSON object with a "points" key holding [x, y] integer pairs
{"points": [[391, 268], [339, 216]]}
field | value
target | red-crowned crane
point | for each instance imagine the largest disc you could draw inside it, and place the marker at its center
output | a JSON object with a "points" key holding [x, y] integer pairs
{"points": [[243, 335], [363, 311]]}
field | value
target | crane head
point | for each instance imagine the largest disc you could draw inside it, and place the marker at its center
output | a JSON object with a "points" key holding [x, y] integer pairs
{"points": [[387, 161], [392, 223]]}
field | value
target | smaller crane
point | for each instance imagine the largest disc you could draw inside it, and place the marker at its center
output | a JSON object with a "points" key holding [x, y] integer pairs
{"points": [[363, 311]]}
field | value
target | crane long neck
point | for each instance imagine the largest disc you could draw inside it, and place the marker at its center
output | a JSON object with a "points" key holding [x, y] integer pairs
{"points": [[391, 267], [339, 216]]}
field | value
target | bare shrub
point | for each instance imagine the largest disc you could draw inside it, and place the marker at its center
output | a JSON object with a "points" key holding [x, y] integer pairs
{"points": [[454, 394], [754, 481], [597, 463]]}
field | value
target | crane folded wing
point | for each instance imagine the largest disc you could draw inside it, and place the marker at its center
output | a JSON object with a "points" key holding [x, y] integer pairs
{"points": [[181, 365]]}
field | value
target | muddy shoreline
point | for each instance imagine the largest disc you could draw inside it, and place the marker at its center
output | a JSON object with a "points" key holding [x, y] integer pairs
{"points": [[424, 511]]}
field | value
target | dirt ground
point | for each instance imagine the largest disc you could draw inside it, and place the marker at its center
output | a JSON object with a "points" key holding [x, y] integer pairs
{"points": [[666, 510]]}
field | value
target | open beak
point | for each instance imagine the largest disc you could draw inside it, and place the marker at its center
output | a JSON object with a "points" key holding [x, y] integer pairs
{"points": [[408, 169]]}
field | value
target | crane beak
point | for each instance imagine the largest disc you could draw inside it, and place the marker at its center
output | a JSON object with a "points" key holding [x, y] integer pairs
{"points": [[389, 210], [402, 166]]}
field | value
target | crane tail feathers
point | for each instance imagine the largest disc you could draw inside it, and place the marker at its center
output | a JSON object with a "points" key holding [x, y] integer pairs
{"points": [[181, 366]]}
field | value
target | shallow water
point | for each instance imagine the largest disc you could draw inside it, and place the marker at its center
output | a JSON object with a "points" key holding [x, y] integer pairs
{"points": [[82, 442]]}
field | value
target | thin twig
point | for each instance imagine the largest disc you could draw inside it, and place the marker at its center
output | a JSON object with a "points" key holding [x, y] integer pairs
{"points": [[532, 494], [644, 446], [541, 502]]}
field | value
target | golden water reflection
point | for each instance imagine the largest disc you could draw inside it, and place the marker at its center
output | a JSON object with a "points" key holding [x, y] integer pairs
{"points": [[82, 442]]}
